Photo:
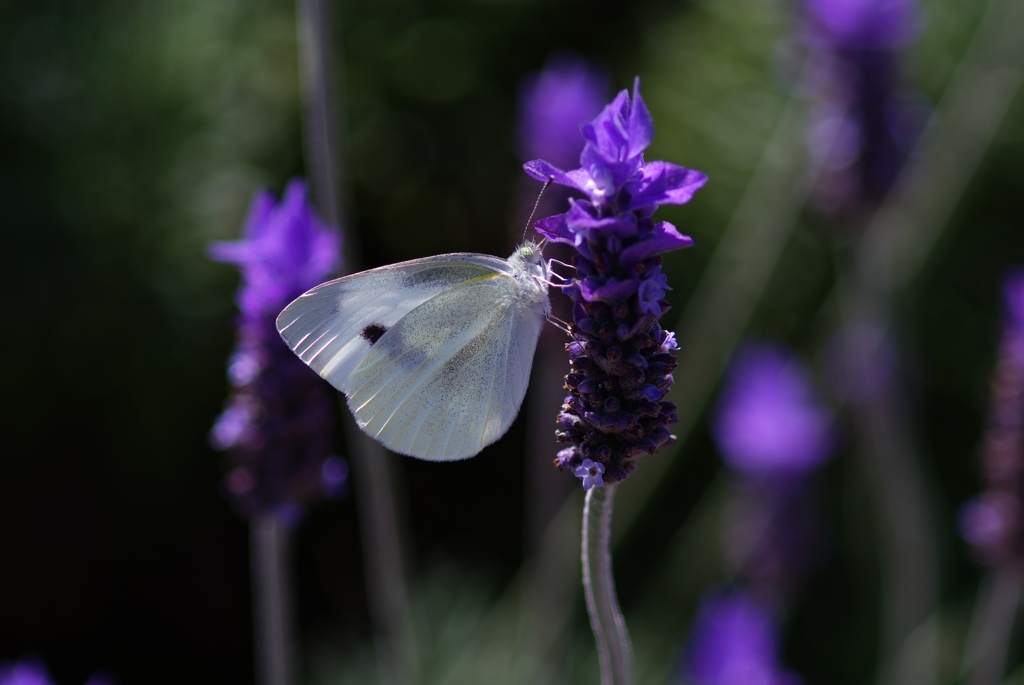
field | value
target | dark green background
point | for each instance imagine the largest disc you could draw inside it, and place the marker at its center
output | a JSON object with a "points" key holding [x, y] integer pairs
{"points": [[131, 134]]}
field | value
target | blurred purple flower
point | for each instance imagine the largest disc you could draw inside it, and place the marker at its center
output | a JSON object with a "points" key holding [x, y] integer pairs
{"points": [[621, 358], [735, 642], [862, 124], [870, 24], [33, 672], [769, 422], [26, 672], [553, 103], [993, 522], [276, 427]]}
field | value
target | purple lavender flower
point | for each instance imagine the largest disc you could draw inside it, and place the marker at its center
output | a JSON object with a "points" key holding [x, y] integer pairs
{"points": [[621, 358], [735, 642], [862, 125], [553, 103], [994, 521], [276, 427], [591, 473], [768, 419]]}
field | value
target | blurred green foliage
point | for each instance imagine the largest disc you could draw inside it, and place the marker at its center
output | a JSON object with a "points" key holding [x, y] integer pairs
{"points": [[134, 133]]}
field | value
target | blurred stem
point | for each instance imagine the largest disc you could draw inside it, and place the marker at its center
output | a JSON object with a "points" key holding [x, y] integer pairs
{"points": [[382, 536], [991, 626], [383, 557], [896, 243], [903, 232], [323, 122], [271, 600], [614, 650], [896, 478]]}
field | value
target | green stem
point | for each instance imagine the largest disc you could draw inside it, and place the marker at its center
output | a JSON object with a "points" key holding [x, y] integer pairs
{"points": [[615, 653]]}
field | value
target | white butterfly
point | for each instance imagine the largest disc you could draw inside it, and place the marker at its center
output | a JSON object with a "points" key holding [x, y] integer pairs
{"points": [[433, 354]]}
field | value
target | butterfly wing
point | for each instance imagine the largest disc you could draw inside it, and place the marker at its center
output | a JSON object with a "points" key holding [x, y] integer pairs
{"points": [[448, 379], [333, 326], [434, 354]]}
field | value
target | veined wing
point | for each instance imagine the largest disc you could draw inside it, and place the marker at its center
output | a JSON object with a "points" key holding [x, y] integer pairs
{"points": [[333, 326], [449, 377]]}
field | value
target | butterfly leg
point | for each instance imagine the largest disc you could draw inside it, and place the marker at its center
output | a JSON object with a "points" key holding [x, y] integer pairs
{"points": [[558, 323]]}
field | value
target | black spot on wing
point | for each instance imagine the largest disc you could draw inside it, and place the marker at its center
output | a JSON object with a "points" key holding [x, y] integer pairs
{"points": [[373, 333]]}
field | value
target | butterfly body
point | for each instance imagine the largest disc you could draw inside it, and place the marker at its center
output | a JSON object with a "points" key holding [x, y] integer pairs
{"points": [[433, 354]]}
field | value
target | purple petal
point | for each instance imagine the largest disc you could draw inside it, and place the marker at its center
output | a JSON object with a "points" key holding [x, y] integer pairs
{"points": [[260, 210], [641, 128], [545, 171], [663, 183], [584, 468], [230, 251], [611, 291], [651, 292], [606, 132], [581, 222], [663, 238], [555, 229]]}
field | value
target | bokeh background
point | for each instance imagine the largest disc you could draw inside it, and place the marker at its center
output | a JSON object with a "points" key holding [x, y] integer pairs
{"points": [[132, 134]]}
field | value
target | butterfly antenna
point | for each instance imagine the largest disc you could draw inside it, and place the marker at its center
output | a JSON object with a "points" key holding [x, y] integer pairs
{"points": [[537, 204]]}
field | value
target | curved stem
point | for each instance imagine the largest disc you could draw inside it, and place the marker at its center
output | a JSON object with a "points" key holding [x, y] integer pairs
{"points": [[614, 650]]}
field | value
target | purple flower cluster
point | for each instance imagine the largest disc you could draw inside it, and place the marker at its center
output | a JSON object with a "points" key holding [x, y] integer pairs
{"points": [[621, 359], [862, 125], [735, 642], [277, 426], [773, 433], [994, 521]]}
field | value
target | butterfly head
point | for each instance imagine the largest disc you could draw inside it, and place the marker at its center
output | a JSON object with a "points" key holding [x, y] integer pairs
{"points": [[529, 266], [529, 258], [530, 253]]}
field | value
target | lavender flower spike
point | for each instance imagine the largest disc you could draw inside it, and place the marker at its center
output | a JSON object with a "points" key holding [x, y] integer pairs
{"points": [[276, 427], [993, 522], [621, 358]]}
